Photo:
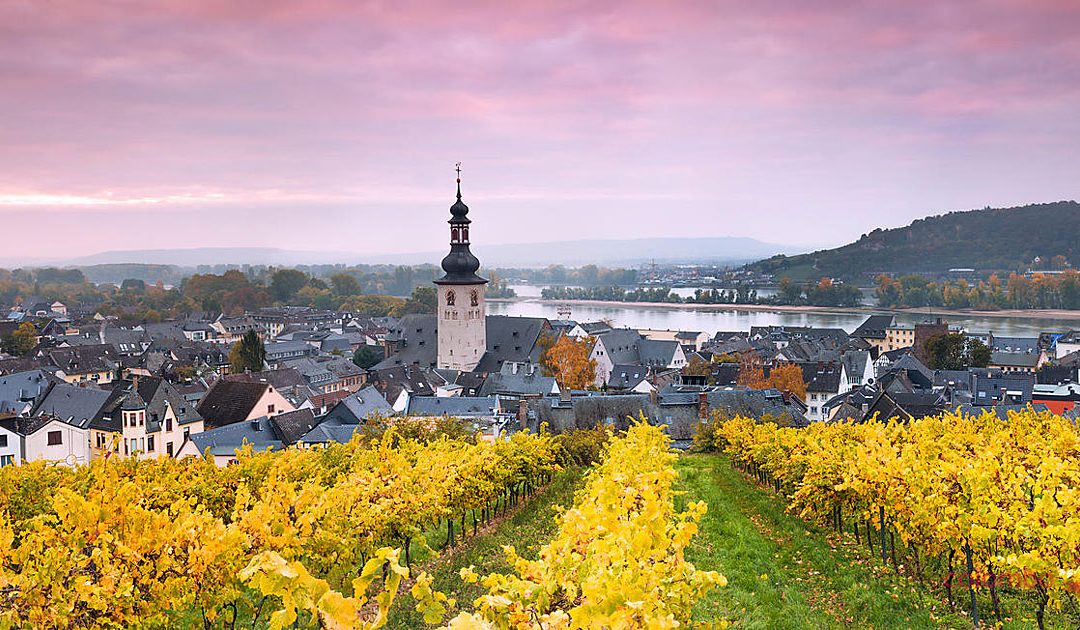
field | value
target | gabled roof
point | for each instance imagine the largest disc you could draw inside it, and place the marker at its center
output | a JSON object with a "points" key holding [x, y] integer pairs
{"points": [[528, 381], [657, 353], [359, 407], [1015, 359], [78, 406], [225, 440], [621, 345], [874, 327], [290, 427], [627, 376], [228, 402], [455, 406], [280, 379]]}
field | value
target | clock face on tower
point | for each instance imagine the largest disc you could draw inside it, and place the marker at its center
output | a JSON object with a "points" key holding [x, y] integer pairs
{"points": [[474, 298]]}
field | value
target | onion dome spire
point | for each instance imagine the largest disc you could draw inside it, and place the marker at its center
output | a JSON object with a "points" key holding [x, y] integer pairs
{"points": [[460, 265]]}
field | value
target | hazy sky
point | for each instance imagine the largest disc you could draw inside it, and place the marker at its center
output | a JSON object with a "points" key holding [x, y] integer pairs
{"points": [[335, 124]]}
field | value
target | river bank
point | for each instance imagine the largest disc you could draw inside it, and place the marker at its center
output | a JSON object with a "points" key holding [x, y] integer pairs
{"points": [[1055, 314]]}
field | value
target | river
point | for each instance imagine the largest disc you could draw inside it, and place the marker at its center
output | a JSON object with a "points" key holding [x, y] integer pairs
{"points": [[641, 316]]}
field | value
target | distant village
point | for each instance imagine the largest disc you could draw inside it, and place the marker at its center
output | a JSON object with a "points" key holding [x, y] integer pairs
{"points": [[91, 386]]}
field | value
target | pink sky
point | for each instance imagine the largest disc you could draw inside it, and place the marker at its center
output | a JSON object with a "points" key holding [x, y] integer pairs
{"points": [[335, 124]]}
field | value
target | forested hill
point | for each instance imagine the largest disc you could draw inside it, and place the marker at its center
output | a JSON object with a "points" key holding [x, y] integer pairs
{"points": [[993, 239]]}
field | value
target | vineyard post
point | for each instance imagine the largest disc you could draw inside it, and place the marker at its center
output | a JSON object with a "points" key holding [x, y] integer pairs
{"points": [[881, 517], [970, 581]]}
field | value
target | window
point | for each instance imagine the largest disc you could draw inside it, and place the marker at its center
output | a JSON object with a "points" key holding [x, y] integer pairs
{"points": [[187, 432], [150, 444], [3, 440], [168, 448], [269, 409], [168, 424], [134, 445], [6, 460], [55, 438], [142, 418]]}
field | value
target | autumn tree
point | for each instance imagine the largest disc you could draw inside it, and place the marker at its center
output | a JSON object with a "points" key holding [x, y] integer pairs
{"points": [[22, 340], [248, 354], [568, 360], [751, 371], [787, 377]]}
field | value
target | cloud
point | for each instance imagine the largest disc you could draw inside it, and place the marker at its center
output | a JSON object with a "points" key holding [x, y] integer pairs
{"points": [[864, 112]]}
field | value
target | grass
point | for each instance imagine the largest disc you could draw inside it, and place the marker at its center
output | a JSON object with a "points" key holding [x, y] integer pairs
{"points": [[785, 573], [527, 530]]}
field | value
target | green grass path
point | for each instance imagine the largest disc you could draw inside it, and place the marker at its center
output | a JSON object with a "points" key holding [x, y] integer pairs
{"points": [[527, 530], [785, 573]]}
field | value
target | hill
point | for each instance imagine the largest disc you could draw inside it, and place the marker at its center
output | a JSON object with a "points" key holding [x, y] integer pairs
{"points": [[721, 249], [988, 240]]}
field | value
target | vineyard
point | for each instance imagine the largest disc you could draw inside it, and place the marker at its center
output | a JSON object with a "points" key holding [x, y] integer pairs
{"points": [[977, 505], [169, 543], [326, 537]]}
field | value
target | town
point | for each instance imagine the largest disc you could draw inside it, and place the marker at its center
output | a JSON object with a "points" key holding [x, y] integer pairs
{"points": [[87, 386]]}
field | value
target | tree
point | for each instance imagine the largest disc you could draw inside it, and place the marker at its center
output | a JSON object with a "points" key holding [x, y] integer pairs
{"points": [[751, 371], [366, 357], [788, 292], [954, 351], [248, 354], [568, 360], [22, 340], [285, 283], [787, 377], [424, 300], [345, 284]]}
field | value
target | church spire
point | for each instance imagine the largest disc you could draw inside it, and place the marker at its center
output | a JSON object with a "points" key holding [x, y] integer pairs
{"points": [[460, 264]]}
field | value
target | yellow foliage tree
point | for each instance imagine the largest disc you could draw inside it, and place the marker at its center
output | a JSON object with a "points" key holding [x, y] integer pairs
{"points": [[568, 361]]}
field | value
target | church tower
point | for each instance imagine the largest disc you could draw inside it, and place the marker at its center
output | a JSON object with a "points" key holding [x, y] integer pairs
{"points": [[462, 322]]}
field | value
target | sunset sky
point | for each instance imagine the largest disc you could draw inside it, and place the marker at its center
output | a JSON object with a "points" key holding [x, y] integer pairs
{"points": [[335, 124]]}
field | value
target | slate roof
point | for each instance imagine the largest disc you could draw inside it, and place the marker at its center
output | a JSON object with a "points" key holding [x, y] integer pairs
{"points": [[821, 377], [508, 339], [523, 383], [290, 427], [455, 406], [621, 345], [874, 327], [627, 376], [83, 359], [856, 363], [391, 381], [23, 387], [280, 379], [228, 402], [657, 353], [359, 406], [1015, 359], [225, 440], [78, 406]]}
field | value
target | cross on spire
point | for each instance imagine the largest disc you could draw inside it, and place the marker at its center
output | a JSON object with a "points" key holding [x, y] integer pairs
{"points": [[457, 167]]}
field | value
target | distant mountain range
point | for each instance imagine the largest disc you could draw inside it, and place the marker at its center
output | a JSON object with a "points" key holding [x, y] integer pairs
{"points": [[720, 250], [992, 239]]}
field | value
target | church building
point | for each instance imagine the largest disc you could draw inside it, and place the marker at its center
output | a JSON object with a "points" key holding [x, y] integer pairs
{"points": [[462, 319]]}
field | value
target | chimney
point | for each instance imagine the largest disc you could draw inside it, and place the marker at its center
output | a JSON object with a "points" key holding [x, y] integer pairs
{"points": [[654, 396], [523, 414], [564, 395], [703, 405]]}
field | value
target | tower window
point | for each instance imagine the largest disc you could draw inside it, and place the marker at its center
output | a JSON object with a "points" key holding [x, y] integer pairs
{"points": [[451, 298]]}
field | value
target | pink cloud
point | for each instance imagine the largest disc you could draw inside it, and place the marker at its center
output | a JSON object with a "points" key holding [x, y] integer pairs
{"points": [[712, 103]]}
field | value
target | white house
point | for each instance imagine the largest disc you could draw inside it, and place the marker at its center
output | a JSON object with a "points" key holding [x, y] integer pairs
{"points": [[10, 446], [50, 439]]}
